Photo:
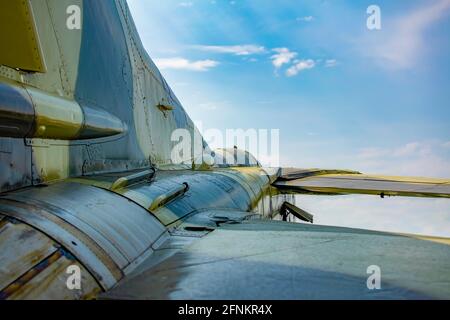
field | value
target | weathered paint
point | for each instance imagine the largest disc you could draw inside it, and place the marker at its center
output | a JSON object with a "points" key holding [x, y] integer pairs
{"points": [[22, 247], [93, 257], [34, 266], [47, 280], [122, 229]]}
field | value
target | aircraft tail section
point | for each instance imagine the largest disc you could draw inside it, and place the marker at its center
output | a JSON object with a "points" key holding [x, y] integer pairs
{"points": [[89, 102]]}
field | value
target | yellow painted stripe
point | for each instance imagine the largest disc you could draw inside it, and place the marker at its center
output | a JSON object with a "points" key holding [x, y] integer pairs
{"points": [[441, 240]]}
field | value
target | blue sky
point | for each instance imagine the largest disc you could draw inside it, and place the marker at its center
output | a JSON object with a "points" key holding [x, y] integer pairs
{"points": [[342, 96]]}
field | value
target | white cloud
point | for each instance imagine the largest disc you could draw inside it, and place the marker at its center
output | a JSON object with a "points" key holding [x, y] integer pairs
{"points": [[238, 50], [282, 56], [429, 159], [410, 149], [185, 64], [305, 19], [208, 106], [393, 214], [330, 63], [186, 4], [402, 43], [369, 153], [300, 66]]}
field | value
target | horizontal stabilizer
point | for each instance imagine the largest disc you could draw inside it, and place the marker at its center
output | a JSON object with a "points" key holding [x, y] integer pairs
{"points": [[318, 181]]}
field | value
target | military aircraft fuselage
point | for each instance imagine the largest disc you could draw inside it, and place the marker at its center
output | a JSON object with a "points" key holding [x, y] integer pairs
{"points": [[91, 197]]}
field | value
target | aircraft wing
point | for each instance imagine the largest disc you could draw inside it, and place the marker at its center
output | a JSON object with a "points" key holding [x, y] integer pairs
{"points": [[318, 181], [266, 259]]}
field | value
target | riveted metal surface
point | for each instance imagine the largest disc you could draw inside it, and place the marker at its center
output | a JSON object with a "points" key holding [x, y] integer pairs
{"points": [[109, 85], [15, 164]]}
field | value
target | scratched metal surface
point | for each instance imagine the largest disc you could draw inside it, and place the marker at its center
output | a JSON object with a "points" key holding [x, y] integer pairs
{"points": [[34, 266], [50, 284], [93, 257], [123, 229], [106, 232], [21, 247]]}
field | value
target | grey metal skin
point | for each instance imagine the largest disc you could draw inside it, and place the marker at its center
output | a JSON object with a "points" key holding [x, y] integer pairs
{"points": [[95, 188]]}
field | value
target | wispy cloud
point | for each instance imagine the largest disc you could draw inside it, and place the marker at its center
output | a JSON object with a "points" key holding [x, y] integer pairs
{"points": [[282, 56], [330, 63], [186, 4], [415, 158], [402, 43], [394, 214], [185, 64], [208, 106], [305, 19], [300, 66], [238, 50]]}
